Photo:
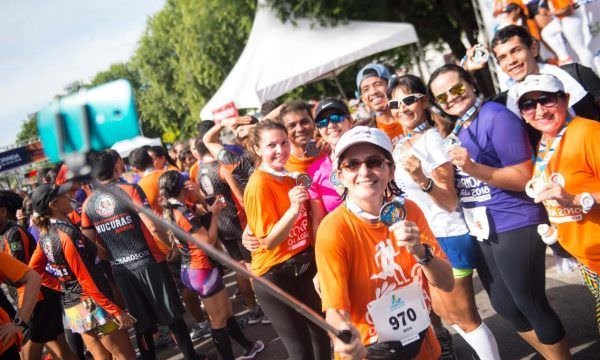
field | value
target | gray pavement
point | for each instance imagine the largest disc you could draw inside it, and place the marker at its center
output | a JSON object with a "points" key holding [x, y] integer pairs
{"points": [[569, 297]]}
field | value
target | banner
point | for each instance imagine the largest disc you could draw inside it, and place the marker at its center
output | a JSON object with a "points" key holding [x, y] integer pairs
{"points": [[21, 155], [226, 111]]}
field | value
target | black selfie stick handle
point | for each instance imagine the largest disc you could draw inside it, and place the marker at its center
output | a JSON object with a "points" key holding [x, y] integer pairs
{"points": [[345, 336]]}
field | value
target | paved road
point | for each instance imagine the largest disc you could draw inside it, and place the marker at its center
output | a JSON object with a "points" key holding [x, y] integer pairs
{"points": [[568, 296]]}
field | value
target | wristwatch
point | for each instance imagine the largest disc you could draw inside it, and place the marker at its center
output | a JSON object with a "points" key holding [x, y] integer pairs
{"points": [[21, 323], [428, 255], [587, 202]]}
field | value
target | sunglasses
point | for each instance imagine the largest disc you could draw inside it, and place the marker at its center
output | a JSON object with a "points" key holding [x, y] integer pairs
{"points": [[528, 106], [373, 162], [333, 118], [408, 100], [456, 90]]}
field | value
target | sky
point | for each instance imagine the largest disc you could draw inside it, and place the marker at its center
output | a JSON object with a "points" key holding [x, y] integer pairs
{"points": [[46, 45]]}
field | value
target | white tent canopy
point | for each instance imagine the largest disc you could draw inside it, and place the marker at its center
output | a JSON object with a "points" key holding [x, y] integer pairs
{"points": [[124, 147], [279, 57]]}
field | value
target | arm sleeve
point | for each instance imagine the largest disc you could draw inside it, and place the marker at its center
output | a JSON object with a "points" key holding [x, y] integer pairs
{"points": [[77, 265], [11, 268], [138, 196], [332, 266], [509, 138], [86, 223]]}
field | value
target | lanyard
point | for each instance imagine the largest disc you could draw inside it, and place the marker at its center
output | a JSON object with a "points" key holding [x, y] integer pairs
{"points": [[541, 163], [419, 129], [353, 207], [301, 179], [465, 117]]}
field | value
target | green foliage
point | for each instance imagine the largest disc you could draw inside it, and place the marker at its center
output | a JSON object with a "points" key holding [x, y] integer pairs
{"points": [[186, 52], [28, 130]]}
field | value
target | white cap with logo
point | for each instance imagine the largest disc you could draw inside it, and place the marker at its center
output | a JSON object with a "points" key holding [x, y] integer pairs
{"points": [[540, 82], [360, 135]]}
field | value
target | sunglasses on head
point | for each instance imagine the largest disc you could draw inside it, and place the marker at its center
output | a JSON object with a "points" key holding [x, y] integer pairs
{"points": [[547, 100], [333, 118], [456, 90], [372, 162], [407, 100]]}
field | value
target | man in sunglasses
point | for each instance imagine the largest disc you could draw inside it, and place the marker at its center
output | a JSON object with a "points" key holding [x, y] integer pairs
{"points": [[372, 84]]}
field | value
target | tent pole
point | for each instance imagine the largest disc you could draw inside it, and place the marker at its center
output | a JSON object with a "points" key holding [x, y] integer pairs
{"points": [[339, 85], [420, 57]]}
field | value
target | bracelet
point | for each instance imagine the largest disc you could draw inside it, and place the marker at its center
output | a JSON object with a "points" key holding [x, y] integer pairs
{"points": [[429, 186], [20, 323], [428, 255]]}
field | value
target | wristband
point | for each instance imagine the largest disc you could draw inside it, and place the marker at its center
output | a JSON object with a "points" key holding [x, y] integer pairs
{"points": [[427, 188], [20, 323], [428, 255]]}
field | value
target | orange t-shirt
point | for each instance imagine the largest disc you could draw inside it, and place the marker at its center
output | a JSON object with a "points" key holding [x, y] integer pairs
{"points": [[355, 268], [577, 159], [194, 171], [13, 270], [266, 200], [192, 256], [393, 129], [301, 165], [149, 184]]}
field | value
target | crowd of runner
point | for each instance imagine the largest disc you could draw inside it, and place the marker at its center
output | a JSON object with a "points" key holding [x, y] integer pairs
{"points": [[379, 227]]}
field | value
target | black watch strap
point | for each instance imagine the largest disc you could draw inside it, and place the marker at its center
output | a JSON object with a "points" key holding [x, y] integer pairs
{"points": [[428, 255]]}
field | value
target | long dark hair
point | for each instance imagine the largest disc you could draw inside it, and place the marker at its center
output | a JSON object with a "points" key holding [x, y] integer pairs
{"points": [[162, 152], [170, 184]]}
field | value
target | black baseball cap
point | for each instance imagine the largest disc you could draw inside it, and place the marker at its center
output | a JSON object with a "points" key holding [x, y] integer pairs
{"points": [[45, 193], [330, 105]]}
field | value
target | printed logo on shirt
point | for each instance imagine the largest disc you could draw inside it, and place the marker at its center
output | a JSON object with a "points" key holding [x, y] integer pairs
{"points": [[298, 236], [105, 205], [559, 214], [471, 189], [117, 223]]}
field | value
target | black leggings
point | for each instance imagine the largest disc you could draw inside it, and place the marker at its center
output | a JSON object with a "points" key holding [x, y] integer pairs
{"points": [[302, 339], [513, 274]]}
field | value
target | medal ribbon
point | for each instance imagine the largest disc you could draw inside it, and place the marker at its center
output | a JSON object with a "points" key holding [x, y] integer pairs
{"points": [[541, 163], [465, 117]]}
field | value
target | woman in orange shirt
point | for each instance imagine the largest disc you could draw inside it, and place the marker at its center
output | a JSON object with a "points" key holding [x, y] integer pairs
{"points": [[375, 272], [10, 331], [277, 212], [197, 271], [566, 177]]}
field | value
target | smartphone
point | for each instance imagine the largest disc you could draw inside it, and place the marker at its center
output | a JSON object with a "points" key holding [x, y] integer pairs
{"points": [[92, 119]]}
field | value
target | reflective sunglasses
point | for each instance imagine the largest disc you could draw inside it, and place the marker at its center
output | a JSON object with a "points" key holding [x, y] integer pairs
{"points": [[407, 100], [333, 118], [371, 163], [547, 100], [456, 90]]}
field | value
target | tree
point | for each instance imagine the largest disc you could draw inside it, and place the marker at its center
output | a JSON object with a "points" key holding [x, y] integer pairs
{"points": [[184, 55], [28, 130]]}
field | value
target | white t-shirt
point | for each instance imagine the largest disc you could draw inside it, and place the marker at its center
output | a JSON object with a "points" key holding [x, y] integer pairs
{"points": [[429, 149]]}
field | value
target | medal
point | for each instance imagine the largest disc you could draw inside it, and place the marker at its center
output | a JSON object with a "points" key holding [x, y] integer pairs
{"points": [[304, 180], [311, 149], [392, 212], [556, 178], [451, 141], [532, 188]]}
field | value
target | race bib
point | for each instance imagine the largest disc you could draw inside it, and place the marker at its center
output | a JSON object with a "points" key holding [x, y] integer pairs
{"points": [[477, 222], [400, 315]]}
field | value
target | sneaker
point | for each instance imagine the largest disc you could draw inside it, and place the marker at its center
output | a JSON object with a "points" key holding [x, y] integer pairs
{"points": [[265, 320], [200, 331], [445, 340], [163, 341], [255, 316], [251, 352]]}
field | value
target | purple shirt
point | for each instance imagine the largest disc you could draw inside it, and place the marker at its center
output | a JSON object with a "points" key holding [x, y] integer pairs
{"points": [[497, 138], [321, 188]]}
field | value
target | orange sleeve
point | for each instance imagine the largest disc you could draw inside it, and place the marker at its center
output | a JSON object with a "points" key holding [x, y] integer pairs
{"points": [[194, 172], [85, 279], [11, 268], [38, 263], [260, 200]]}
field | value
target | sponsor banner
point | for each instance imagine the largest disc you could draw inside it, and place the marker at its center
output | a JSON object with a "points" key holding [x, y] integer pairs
{"points": [[226, 111], [21, 155]]}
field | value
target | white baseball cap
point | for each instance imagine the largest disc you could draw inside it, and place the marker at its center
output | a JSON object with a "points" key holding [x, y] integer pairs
{"points": [[362, 135], [540, 82]]}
